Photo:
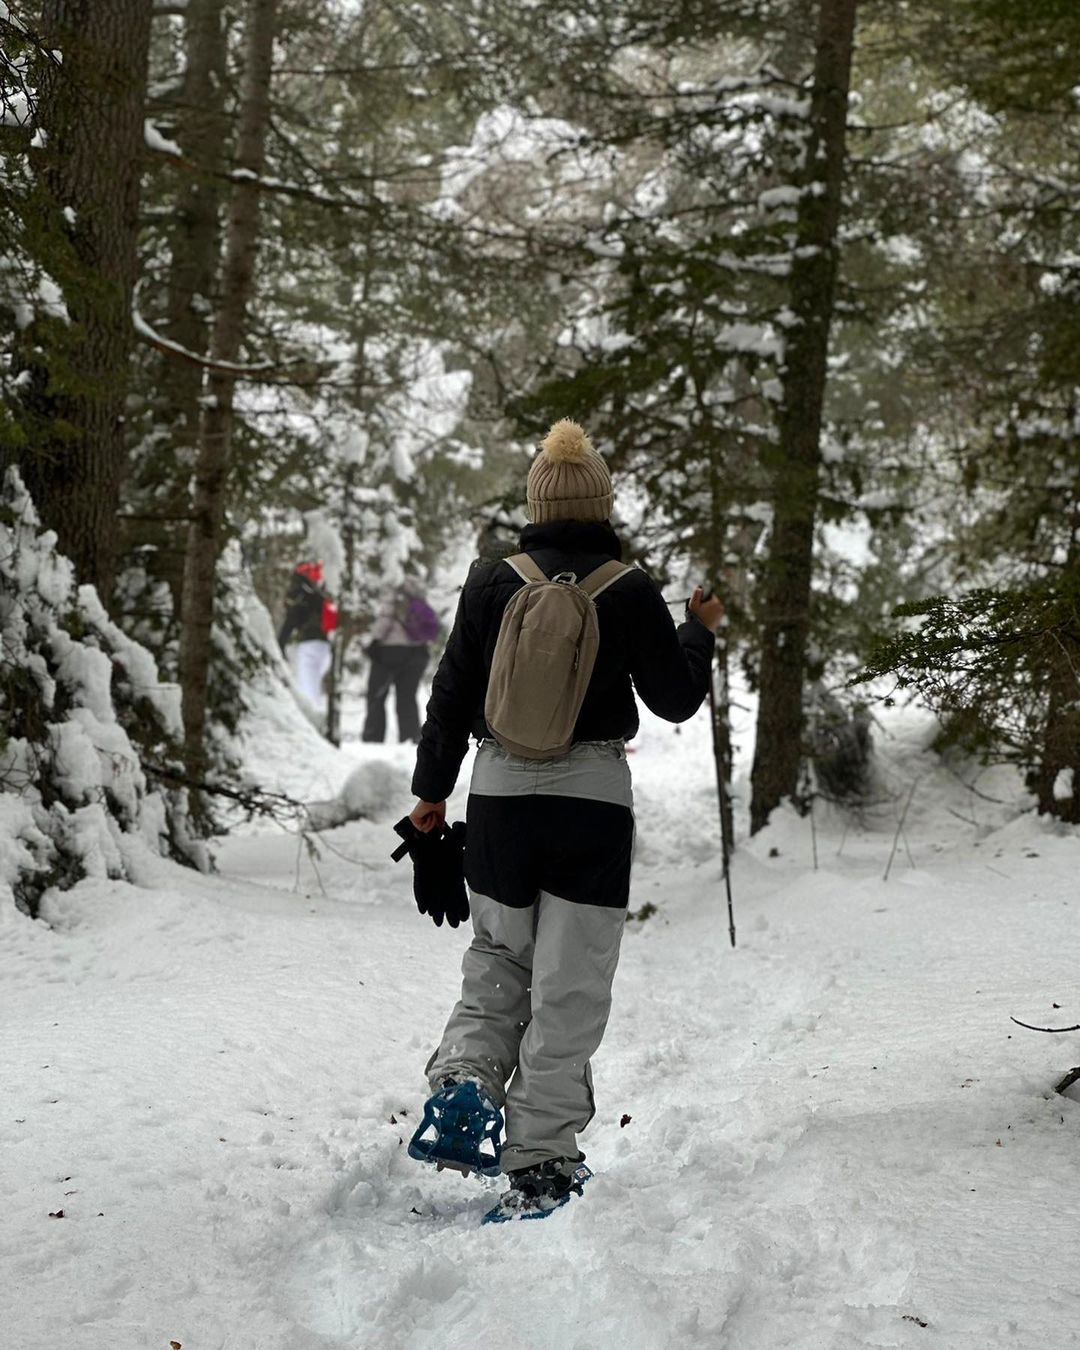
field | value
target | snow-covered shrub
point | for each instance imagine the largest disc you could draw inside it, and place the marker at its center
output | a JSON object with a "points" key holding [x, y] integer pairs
{"points": [[371, 787], [88, 730], [247, 669], [1001, 669], [373, 791]]}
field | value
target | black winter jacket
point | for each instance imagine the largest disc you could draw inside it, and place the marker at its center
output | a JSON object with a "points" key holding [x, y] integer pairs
{"points": [[639, 642], [303, 617]]}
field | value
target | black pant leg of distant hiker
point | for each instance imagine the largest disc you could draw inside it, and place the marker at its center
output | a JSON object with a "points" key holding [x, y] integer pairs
{"points": [[380, 678], [413, 665]]}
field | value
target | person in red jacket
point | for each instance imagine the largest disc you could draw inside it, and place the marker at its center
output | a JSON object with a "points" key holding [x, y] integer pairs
{"points": [[310, 616], [548, 842]]}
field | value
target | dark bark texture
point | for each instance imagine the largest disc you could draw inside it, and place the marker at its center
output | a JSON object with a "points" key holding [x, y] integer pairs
{"points": [[203, 131], [785, 607], [215, 433], [92, 111], [1061, 737], [1061, 743]]}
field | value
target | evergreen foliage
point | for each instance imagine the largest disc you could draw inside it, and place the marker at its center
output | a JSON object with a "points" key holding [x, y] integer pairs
{"points": [[1002, 671], [997, 655], [90, 733], [475, 219]]}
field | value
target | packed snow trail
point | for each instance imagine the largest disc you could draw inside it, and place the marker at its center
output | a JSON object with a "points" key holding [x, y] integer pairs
{"points": [[835, 1136]]}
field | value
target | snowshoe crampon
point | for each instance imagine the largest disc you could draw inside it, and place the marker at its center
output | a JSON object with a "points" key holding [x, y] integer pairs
{"points": [[461, 1129], [527, 1202]]}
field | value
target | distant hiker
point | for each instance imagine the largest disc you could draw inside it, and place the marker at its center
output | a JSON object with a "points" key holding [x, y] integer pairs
{"points": [[550, 821], [400, 647], [310, 617]]}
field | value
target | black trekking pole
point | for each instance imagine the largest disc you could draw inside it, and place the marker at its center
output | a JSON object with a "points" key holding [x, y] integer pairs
{"points": [[723, 800]]}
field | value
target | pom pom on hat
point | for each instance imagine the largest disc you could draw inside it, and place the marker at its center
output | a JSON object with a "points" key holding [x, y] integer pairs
{"points": [[568, 479], [567, 442]]}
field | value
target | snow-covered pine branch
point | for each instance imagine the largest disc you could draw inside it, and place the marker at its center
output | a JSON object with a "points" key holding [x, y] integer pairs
{"points": [[82, 703]]}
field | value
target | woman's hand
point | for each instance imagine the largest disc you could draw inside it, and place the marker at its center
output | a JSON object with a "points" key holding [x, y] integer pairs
{"points": [[710, 612], [427, 816]]}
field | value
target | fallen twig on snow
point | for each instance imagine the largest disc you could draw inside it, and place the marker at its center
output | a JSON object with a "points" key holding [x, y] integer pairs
{"points": [[1052, 1030], [1073, 1076]]}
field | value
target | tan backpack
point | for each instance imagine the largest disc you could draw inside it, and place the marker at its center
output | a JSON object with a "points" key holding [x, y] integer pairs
{"points": [[544, 658]]}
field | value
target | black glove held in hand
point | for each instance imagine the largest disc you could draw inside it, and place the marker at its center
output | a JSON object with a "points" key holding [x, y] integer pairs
{"points": [[438, 859]]}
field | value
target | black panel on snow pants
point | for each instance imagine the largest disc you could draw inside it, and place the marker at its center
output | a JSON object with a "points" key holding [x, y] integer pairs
{"points": [[579, 850]]}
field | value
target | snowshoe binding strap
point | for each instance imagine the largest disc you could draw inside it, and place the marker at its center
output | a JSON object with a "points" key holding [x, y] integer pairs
{"points": [[527, 1199]]}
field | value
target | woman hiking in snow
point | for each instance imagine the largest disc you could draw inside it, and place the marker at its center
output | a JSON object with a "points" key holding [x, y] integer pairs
{"points": [[550, 821]]}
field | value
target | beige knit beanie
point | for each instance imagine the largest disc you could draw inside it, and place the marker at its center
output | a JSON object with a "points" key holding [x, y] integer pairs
{"points": [[568, 479]]}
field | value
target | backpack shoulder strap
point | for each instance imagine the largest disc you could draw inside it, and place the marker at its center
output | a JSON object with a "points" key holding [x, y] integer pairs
{"points": [[526, 569], [603, 577]]}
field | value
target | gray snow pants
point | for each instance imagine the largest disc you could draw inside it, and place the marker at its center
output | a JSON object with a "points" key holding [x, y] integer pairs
{"points": [[536, 989]]}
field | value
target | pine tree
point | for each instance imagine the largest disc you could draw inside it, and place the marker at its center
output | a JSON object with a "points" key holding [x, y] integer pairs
{"points": [[90, 113], [996, 652], [197, 110], [795, 468], [216, 427]]}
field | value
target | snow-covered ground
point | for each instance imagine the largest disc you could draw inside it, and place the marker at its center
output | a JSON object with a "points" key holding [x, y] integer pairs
{"points": [[832, 1136]]}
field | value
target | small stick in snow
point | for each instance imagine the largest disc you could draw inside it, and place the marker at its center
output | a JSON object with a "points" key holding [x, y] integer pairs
{"points": [[907, 849], [813, 832], [899, 827], [1053, 1031], [1073, 1076], [304, 842]]}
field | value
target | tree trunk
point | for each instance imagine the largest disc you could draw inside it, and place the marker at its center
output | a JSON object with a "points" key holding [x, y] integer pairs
{"points": [[1061, 739], [1061, 735], [92, 111], [347, 609], [788, 575], [203, 131], [215, 432], [349, 620]]}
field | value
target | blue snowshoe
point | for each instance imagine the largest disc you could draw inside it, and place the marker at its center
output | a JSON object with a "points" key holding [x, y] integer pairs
{"points": [[461, 1129], [537, 1192]]}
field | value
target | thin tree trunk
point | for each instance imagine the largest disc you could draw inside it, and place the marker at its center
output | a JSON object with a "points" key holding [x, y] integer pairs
{"points": [[1061, 735], [202, 129], [215, 434], [347, 610], [92, 112], [348, 624], [787, 584], [1061, 739]]}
